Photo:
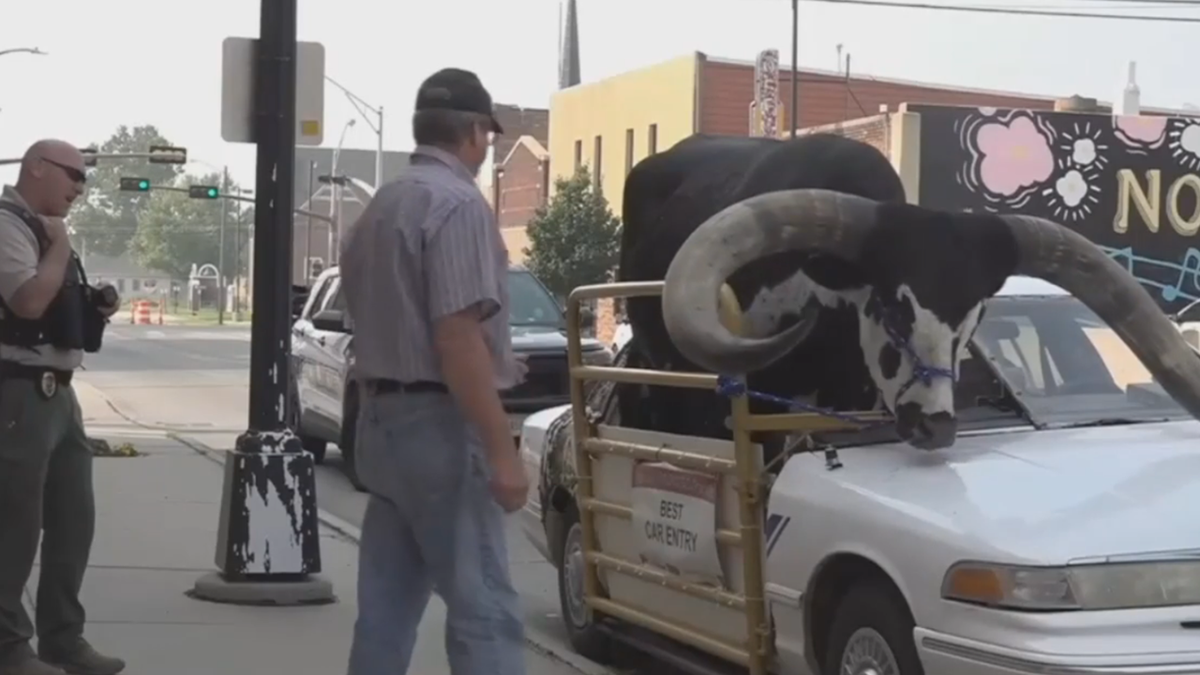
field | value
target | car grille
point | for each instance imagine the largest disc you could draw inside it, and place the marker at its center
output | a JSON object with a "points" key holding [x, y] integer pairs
{"points": [[546, 379]]}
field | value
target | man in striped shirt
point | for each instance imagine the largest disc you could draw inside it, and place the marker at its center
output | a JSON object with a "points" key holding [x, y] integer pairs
{"points": [[424, 272]]}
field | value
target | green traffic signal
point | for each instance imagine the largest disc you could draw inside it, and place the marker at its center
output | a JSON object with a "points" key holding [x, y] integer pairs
{"points": [[130, 184], [203, 192]]}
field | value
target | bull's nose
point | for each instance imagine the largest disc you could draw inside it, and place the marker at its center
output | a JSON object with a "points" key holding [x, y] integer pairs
{"points": [[926, 432], [936, 431]]}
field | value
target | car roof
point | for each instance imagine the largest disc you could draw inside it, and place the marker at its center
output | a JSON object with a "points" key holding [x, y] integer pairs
{"points": [[1016, 286], [1029, 286]]}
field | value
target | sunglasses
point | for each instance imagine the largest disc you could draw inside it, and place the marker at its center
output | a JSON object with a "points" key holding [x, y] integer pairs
{"points": [[74, 174]]}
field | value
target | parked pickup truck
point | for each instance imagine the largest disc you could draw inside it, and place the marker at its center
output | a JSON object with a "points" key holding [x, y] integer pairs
{"points": [[322, 366]]}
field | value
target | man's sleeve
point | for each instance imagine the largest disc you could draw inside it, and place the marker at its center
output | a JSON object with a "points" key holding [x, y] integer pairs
{"points": [[461, 258], [18, 256]]}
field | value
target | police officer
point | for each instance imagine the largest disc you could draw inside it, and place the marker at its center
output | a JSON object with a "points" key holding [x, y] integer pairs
{"points": [[425, 275], [48, 317]]}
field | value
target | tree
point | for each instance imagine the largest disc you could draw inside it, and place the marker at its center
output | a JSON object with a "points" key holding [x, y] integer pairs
{"points": [[108, 220], [176, 231], [575, 240]]}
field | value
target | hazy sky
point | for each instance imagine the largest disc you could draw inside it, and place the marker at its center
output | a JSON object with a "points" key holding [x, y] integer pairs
{"points": [[159, 61]]}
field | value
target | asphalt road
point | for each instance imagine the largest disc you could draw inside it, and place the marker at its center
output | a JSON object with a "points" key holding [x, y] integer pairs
{"points": [[194, 381]]}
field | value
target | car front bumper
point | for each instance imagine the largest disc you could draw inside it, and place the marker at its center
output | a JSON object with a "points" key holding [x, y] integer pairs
{"points": [[944, 654]]}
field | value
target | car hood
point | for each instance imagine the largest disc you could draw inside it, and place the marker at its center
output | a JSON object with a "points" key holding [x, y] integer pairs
{"points": [[1042, 496], [539, 338]]}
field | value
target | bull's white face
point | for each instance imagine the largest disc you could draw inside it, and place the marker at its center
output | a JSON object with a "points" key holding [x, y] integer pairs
{"points": [[924, 410]]}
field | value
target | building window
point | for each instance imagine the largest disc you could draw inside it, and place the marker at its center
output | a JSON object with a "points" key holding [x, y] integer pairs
{"points": [[628, 151], [578, 154], [597, 162], [652, 139]]}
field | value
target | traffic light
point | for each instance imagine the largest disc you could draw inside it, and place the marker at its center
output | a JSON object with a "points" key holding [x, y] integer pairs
{"points": [[167, 154], [135, 184], [203, 192]]}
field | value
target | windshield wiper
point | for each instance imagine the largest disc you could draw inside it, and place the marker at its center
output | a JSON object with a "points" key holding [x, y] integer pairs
{"points": [[1113, 422]]}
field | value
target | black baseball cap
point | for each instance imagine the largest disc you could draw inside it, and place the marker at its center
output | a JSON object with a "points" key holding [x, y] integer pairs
{"points": [[457, 89]]}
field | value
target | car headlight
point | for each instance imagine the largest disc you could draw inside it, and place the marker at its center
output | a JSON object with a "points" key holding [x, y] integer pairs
{"points": [[597, 357], [1118, 585]]}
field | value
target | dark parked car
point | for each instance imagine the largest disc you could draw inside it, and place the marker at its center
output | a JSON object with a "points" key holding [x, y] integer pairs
{"points": [[323, 393]]}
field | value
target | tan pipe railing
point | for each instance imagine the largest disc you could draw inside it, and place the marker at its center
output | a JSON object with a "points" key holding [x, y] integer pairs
{"points": [[757, 653]]}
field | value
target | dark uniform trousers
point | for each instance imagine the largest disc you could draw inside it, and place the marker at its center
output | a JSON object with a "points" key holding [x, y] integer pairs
{"points": [[45, 484]]}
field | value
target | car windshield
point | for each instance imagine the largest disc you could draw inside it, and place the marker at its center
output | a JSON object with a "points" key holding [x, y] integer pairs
{"points": [[1066, 367], [529, 303]]}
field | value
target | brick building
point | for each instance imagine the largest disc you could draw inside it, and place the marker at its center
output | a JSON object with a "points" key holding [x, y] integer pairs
{"points": [[515, 179], [612, 124]]}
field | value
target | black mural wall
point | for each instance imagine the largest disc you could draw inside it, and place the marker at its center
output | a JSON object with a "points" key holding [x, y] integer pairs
{"points": [[1130, 184]]}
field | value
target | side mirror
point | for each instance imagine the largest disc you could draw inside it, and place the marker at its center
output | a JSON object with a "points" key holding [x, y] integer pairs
{"points": [[587, 320], [332, 320]]}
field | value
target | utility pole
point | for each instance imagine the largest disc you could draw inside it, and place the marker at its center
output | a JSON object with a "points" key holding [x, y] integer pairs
{"points": [[269, 478], [237, 264], [795, 111], [221, 249], [312, 168]]}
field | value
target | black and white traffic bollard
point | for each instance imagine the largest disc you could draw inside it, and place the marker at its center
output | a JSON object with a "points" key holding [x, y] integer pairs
{"points": [[268, 538]]}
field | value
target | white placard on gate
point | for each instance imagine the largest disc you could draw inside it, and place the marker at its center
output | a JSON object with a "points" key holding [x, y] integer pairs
{"points": [[675, 519]]}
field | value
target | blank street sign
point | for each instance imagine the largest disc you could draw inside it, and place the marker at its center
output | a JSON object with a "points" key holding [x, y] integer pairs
{"points": [[237, 91]]}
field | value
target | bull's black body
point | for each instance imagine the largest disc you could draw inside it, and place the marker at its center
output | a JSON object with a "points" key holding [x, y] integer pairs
{"points": [[667, 196]]}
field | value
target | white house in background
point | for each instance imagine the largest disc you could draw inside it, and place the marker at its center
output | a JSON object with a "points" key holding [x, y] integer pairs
{"points": [[131, 280]]}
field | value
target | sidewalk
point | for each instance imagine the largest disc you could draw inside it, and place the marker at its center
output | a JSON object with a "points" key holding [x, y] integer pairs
{"points": [[156, 534]]}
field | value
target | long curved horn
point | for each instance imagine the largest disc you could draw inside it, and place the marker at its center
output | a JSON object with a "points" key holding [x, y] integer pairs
{"points": [[1059, 255], [793, 220]]}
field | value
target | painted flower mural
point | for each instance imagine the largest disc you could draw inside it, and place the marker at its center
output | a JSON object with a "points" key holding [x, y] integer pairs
{"points": [[1016, 156], [1125, 182], [1140, 132], [1185, 145]]}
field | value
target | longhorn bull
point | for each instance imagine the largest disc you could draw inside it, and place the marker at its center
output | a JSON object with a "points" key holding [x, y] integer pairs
{"points": [[852, 298]]}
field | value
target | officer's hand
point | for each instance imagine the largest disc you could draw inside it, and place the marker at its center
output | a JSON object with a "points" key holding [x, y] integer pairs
{"points": [[522, 367], [108, 309], [510, 485], [56, 229]]}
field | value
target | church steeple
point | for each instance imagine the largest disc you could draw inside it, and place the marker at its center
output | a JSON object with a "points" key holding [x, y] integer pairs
{"points": [[568, 60]]}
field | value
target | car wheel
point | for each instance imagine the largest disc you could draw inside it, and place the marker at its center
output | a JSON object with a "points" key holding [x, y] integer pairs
{"points": [[314, 446], [349, 434], [585, 636], [872, 633]]}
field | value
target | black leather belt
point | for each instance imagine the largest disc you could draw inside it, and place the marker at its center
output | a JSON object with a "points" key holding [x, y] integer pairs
{"points": [[10, 369], [381, 386]]}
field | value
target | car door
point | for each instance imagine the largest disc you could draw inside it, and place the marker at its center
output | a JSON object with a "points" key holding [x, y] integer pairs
{"points": [[333, 347], [305, 356]]}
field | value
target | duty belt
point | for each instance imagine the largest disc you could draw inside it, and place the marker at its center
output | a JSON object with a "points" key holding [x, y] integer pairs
{"points": [[47, 379]]}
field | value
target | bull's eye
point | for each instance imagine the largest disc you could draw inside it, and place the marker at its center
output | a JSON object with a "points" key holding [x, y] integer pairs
{"points": [[889, 361]]}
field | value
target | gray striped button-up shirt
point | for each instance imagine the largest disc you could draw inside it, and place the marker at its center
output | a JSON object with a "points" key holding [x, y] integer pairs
{"points": [[427, 246]]}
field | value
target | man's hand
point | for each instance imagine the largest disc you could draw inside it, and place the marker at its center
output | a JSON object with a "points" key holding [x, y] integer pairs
{"points": [[510, 485], [56, 229]]}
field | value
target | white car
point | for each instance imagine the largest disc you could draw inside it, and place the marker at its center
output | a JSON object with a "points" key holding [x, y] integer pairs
{"points": [[1058, 535]]}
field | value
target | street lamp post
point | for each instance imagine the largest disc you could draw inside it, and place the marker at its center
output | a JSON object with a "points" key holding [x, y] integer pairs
{"points": [[23, 50], [376, 126], [335, 198]]}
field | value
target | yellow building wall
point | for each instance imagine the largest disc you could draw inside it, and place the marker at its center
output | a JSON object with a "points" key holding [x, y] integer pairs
{"points": [[662, 94]]}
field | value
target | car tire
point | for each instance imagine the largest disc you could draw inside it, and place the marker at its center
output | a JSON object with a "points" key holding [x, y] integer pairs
{"points": [[349, 436], [872, 628], [312, 445], [585, 636]]}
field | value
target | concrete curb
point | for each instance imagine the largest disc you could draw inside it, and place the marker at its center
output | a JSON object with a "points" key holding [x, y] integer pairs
{"points": [[535, 639]]}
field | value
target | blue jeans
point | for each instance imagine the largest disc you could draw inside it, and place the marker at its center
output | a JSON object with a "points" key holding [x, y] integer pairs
{"points": [[431, 525]]}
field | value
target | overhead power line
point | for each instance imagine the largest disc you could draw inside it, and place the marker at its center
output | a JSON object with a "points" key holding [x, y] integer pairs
{"points": [[1016, 12]]}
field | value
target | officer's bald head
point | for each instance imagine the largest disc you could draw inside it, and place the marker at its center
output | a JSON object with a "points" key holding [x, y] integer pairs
{"points": [[52, 176]]}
